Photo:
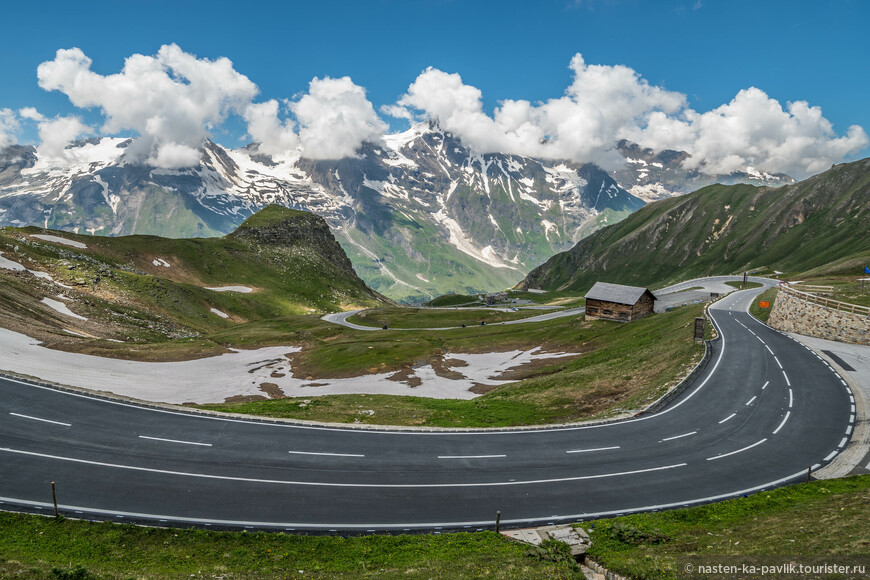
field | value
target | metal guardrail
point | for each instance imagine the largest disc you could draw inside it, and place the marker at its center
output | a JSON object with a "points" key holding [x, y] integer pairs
{"points": [[826, 302]]}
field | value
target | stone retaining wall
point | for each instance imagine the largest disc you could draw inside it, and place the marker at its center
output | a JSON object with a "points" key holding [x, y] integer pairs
{"points": [[792, 314]]}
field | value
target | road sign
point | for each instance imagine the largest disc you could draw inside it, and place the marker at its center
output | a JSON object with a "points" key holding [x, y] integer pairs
{"points": [[764, 304], [699, 328]]}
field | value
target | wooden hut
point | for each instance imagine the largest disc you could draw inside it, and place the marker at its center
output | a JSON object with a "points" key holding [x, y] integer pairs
{"points": [[618, 302]]}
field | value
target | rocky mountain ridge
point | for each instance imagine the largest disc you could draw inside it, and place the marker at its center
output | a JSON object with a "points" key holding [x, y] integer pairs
{"points": [[722, 229]]}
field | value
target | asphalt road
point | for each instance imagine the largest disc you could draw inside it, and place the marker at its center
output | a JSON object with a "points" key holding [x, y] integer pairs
{"points": [[765, 410]]}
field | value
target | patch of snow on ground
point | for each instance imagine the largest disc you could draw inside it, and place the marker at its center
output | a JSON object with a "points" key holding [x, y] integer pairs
{"points": [[160, 262], [59, 240], [219, 313], [241, 372], [242, 289], [8, 264], [62, 308], [536, 291]]}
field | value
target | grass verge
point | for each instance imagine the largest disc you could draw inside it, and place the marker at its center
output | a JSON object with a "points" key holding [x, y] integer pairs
{"points": [[755, 308], [34, 547], [821, 522]]}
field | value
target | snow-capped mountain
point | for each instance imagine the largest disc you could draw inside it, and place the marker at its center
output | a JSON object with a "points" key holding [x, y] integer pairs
{"points": [[419, 214], [652, 175]]}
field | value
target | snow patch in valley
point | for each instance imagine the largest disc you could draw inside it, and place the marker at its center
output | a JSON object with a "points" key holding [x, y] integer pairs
{"points": [[242, 289], [241, 372], [8, 264], [219, 313], [160, 262], [59, 240], [62, 308]]}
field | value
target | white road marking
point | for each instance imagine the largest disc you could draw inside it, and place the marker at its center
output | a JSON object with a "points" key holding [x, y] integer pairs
{"points": [[852, 410], [830, 456], [678, 436], [174, 441], [469, 456], [749, 402], [738, 451], [334, 484], [42, 420], [731, 416], [590, 450], [777, 362], [843, 442], [765, 385], [790, 399], [418, 525], [327, 454], [849, 430], [786, 378], [781, 425]]}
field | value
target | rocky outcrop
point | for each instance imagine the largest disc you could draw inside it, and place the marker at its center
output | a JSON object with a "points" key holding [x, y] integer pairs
{"points": [[276, 226]]}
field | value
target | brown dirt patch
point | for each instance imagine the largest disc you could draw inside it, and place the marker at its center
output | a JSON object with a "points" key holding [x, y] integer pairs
{"points": [[406, 376], [273, 390], [245, 398]]}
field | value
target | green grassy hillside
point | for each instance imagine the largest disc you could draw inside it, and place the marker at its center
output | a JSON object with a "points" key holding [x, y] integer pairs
{"points": [[725, 229], [152, 289]]}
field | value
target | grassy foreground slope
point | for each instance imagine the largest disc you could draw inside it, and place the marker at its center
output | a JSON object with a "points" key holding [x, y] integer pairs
{"points": [[35, 547], [146, 289], [725, 229], [817, 523]]}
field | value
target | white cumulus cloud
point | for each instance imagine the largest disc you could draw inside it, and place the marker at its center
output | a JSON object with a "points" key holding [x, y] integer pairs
{"points": [[335, 118], [275, 136], [8, 127], [172, 99], [56, 134], [604, 104]]}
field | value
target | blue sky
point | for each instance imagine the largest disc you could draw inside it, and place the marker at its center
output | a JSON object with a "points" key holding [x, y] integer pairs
{"points": [[708, 51]]}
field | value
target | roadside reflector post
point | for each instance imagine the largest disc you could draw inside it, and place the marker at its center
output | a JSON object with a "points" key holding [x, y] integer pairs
{"points": [[809, 470], [497, 520], [54, 499]]}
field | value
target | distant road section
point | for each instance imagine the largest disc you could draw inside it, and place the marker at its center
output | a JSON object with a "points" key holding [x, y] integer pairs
{"points": [[676, 295]]}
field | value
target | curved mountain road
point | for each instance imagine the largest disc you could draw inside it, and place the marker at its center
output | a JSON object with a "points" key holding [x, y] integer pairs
{"points": [[763, 411]]}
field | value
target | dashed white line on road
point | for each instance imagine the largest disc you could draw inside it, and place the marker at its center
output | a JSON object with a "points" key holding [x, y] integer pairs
{"points": [[786, 378], [843, 442], [174, 441], [738, 451], [326, 454], [42, 420], [470, 456], [765, 385], [777, 362], [590, 450], [790, 399], [852, 410], [849, 430], [781, 425], [830, 456], [731, 416], [678, 436], [338, 484], [749, 402]]}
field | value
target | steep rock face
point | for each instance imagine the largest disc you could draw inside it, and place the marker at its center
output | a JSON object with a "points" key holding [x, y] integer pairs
{"points": [[724, 229]]}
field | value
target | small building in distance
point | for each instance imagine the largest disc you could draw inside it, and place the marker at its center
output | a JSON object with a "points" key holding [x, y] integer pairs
{"points": [[618, 302]]}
